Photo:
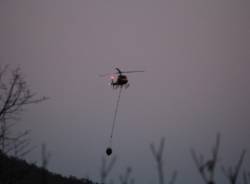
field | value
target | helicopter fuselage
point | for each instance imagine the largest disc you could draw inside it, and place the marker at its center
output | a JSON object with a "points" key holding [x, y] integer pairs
{"points": [[120, 81]]}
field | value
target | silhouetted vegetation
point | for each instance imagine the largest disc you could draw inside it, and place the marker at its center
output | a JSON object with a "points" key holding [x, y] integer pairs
{"points": [[15, 94], [232, 173], [14, 170], [207, 167], [17, 171], [106, 168], [126, 178], [158, 155]]}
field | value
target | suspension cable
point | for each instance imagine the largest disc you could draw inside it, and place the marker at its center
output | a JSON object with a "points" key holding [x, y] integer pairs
{"points": [[115, 114]]}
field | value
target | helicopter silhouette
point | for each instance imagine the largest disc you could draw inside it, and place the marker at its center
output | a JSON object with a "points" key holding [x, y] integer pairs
{"points": [[120, 80]]}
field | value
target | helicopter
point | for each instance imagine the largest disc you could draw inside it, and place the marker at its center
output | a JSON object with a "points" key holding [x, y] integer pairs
{"points": [[120, 80]]}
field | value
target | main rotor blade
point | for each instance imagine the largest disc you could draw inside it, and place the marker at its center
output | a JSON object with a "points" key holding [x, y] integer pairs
{"points": [[133, 71]]}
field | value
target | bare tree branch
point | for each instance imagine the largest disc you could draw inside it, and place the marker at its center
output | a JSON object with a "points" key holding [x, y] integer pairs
{"points": [[232, 173], [159, 160], [106, 168], [45, 156], [207, 168], [45, 161], [125, 179], [158, 155], [15, 94]]}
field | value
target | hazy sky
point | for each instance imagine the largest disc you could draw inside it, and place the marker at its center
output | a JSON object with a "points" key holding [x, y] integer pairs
{"points": [[196, 54]]}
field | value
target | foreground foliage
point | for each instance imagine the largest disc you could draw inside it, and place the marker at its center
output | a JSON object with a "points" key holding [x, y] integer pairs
{"points": [[14, 170]]}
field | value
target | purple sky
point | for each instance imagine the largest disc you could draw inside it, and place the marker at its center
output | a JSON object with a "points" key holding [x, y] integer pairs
{"points": [[196, 54]]}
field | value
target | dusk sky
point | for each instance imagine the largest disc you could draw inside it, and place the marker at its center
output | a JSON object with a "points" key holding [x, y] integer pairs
{"points": [[196, 57]]}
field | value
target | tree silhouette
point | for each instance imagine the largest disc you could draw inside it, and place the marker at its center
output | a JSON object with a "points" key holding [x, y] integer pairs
{"points": [[232, 173], [21, 145], [207, 167], [45, 156], [106, 168], [158, 155], [15, 94], [126, 179]]}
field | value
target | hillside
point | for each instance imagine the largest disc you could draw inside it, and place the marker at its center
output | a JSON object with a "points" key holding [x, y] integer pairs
{"points": [[14, 170]]}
